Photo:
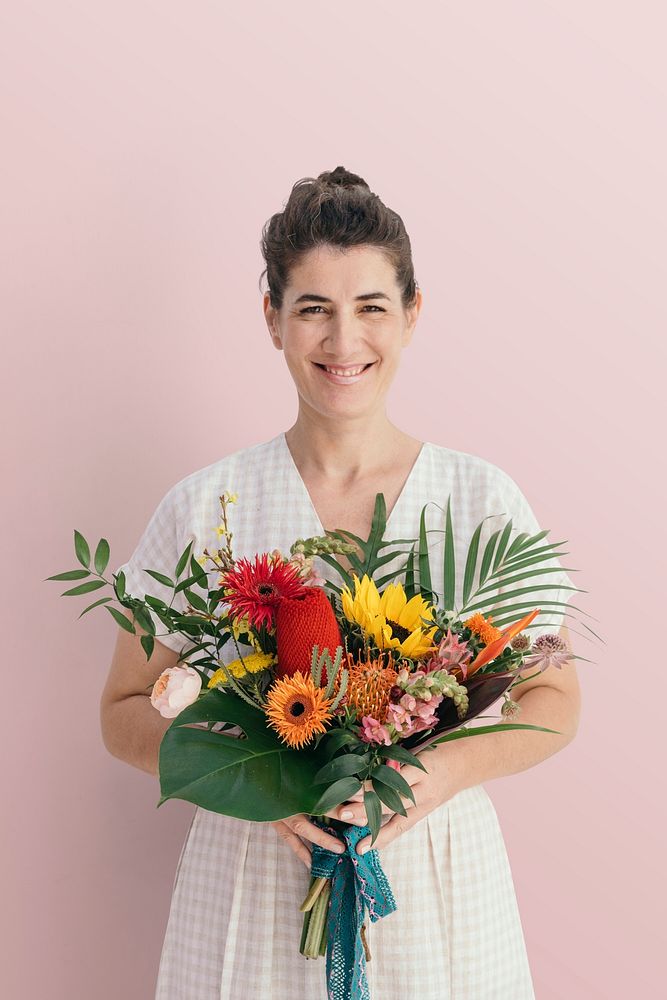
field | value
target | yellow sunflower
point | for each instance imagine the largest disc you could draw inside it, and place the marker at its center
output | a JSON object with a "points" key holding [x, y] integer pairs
{"points": [[390, 618], [297, 709], [251, 664]]}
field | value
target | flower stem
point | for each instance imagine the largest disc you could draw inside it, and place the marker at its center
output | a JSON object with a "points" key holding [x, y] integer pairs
{"points": [[316, 886], [314, 935]]}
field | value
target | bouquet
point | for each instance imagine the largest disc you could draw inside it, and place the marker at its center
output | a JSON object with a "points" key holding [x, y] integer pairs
{"points": [[338, 687]]}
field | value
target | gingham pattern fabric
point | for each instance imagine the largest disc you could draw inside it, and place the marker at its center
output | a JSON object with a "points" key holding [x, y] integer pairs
{"points": [[234, 925]]}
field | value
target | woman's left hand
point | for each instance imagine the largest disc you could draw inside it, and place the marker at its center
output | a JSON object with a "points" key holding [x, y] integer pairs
{"points": [[431, 788]]}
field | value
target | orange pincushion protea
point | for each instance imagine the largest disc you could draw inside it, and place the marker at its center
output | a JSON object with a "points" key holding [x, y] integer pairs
{"points": [[301, 623], [482, 627], [297, 709], [369, 684]]}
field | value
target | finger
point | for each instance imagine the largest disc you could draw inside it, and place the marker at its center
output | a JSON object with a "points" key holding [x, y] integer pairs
{"points": [[352, 812], [392, 829], [302, 827], [294, 842]]}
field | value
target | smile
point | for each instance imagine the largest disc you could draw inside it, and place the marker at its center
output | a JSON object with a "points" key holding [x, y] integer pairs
{"points": [[343, 376]]}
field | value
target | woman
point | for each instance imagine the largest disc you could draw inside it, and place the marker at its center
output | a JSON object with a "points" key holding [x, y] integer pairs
{"points": [[342, 304]]}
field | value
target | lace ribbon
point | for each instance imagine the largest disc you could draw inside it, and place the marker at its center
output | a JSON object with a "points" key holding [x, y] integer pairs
{"points": [[358, 883]]}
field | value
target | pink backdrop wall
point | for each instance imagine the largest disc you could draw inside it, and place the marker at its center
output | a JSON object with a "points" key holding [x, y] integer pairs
{"points": [[144, 145]]}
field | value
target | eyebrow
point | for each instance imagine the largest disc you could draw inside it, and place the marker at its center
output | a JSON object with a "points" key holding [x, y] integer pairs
{"points": [[311, 297]]}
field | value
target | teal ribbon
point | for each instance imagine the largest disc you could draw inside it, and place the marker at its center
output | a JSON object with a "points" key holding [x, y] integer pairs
{"points": [[358, 883]]}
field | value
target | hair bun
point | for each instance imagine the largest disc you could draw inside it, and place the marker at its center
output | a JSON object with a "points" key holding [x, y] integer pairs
{"points": [[340, 177]]}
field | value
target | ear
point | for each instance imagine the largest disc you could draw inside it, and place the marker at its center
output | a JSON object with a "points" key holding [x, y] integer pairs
{"points": [[271, 317], [412, 315]]}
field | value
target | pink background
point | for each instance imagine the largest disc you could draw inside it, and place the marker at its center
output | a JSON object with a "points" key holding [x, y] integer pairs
{"points": [[144, 145]]}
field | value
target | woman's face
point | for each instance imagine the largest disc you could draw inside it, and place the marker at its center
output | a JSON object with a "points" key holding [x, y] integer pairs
{"points": [[342, 310]]}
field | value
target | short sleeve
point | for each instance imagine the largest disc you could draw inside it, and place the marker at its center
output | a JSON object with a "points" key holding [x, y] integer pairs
{"points": [[551, 615], [159, 548]]}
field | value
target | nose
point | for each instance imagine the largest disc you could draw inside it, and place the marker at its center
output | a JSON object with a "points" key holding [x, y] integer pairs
{"points": [[341, 337]]}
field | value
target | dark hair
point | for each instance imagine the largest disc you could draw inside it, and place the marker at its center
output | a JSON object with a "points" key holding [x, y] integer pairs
{"points": [[337, 208]]}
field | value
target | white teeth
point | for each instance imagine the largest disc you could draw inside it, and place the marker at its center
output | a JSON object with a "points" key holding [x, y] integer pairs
{"points": [[347, 371]]}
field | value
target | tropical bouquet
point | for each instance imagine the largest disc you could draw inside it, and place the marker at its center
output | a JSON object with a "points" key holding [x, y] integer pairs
{"points": [[338, 687]]}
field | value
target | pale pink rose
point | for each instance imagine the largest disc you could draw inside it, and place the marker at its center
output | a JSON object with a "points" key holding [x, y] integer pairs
{"points": [[174, 690], [374, 732]]}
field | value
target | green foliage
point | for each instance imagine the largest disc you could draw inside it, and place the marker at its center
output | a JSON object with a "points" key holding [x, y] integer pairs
{"points": [[257, 777]]}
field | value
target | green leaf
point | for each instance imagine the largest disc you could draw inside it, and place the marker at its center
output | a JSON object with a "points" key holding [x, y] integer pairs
{"points": [[502, 544], [344, 574], [144, 619], [196, 601], [101, 559], [376, 535], [390, 797], [449, 572], [341, 767], [103, 600], [529, 560], [373, 812], [471, 563], [148, 642], [399, 753], [516, 544], [340, 791], [71, 574], [122, 620], [183, 561], [160, 577], [199, 573], [335, 739], [81, 549], [424, 564], [458, 734], [390, 776], [487, 557], [257, 778], [410, 587], [535, 573], [390, 577], [84, 588], [120, 585]]}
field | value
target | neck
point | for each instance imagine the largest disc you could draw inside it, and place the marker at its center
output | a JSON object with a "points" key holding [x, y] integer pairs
{"points": [[345, 449]]}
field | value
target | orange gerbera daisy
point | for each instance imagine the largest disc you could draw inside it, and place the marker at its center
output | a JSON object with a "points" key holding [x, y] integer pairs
{"points": [[369, 684], [297, 709], [482, 627]]}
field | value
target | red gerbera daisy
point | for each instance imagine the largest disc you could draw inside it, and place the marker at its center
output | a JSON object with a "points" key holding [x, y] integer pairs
{"points": [[257, 589]]}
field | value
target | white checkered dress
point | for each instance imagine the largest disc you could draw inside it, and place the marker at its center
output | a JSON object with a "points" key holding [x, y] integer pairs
{"points": [[234, 924]]}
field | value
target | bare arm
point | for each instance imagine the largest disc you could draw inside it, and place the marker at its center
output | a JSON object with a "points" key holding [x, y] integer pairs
{"points": [[131, 728], [550, 699]]}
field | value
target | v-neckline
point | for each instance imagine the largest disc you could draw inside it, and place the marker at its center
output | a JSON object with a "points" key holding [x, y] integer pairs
{"points": [[316, 517]]}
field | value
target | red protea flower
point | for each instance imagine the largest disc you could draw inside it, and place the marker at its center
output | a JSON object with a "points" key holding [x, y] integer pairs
{"points": [[256, 590], [301, 623]]}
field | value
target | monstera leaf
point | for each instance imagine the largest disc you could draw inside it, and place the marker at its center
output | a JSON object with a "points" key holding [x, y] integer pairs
{"points": [[254, 777]]}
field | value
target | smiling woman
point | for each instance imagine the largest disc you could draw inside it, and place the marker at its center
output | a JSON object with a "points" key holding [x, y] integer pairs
{"points": [[342, 304]]}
